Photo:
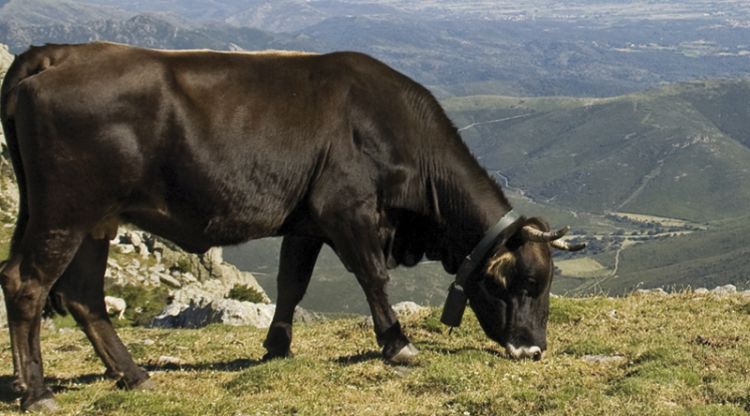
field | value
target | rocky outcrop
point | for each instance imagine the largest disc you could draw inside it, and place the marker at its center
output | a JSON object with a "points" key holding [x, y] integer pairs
{"points": [[198, 309], [8, 191], [203, 310], [140, 258], [6, 58]]}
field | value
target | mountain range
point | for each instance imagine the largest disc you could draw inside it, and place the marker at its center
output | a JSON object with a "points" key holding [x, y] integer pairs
{"points": [[627, 121], [541, 48]]}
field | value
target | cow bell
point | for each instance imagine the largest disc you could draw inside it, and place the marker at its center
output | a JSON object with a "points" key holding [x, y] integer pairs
{"points": [[455, 304]]}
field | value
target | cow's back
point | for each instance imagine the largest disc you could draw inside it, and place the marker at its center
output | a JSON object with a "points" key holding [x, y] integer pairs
{"points": [[211, 148]]}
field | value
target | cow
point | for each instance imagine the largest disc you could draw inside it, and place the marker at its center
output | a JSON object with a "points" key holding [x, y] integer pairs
{"points": [[209, 148]]}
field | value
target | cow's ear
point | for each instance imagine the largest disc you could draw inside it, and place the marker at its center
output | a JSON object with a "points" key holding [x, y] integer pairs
{"points": [[500, 267]]}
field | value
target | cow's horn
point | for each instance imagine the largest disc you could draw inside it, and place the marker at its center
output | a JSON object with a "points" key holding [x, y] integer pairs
{"points": [[564, 245], [529, 233]]}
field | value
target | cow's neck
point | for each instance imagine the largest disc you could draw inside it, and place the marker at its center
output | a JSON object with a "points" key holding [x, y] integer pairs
{"points": [[468, 201]]}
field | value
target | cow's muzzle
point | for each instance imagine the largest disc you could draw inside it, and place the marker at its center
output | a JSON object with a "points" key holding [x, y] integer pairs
{"points": [[519, 353]]}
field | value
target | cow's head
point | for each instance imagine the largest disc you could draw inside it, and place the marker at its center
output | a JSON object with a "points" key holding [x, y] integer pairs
{"points": [[510, 293]]}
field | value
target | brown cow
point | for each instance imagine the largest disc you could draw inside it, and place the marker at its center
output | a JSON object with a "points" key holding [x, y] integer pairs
{"points": [[208, 148]]}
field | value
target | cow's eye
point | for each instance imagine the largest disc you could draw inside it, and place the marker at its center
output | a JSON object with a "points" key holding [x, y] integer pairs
{"points": [[493, 287]]}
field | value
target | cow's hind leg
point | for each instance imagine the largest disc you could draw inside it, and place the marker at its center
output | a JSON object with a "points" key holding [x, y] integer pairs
{"points": [[81, 289], [37, 261], [297, 260]]}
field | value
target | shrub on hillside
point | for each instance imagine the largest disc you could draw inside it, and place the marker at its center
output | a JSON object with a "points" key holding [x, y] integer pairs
{"points": [[245, 293], [144, 303]]}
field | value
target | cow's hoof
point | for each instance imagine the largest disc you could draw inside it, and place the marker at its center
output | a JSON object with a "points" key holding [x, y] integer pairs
{"points": [[146, 384], [18, 387], [45, 405], [274, 355], [141, 383], [406, 355]]}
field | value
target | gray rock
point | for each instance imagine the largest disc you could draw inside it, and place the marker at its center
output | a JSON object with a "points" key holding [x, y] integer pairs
{"points": [[157, 269], [724, 290], [203, 312], [169, 280], [403, 310], [154, 279], [126, 249], [235, 312], [214, 257], [304, 316], [407, 308], [3, 311], [188, 278], [604, 359], [142, 250], [165, 360], [701, 291], [135, 239], [656, 291]]}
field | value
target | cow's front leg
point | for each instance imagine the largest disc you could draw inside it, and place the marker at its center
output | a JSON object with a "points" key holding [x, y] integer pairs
{"points": [[396, 346], [296, 263], [359, 247]]}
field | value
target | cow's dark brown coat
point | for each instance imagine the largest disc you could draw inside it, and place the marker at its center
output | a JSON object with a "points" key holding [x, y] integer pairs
{"points": [[208, 148]]}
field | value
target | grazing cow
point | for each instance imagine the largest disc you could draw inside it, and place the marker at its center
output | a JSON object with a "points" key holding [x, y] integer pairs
{"points": [[210, 148]]}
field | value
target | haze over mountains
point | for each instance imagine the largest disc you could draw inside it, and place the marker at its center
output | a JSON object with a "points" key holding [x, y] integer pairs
{"points": [[585, 48], [628, 121]]}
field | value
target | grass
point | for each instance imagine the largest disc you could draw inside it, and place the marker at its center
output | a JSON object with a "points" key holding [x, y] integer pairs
{"points": [[584, 267], [681, 354]]}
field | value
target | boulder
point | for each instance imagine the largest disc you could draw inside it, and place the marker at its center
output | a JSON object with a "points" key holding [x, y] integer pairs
{"points": [[203, 312], [656, 291], [403, 310], [605, 359], [3, 311], [407, 308], [724, 290]]}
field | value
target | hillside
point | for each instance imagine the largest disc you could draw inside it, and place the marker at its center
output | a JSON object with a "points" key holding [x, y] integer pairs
{"points": [[677, 152], [147, 31], [680, 151], [642, 354]]}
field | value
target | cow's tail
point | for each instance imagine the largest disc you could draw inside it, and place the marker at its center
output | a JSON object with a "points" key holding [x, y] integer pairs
{"points": [[26, 65], [23, 66]]}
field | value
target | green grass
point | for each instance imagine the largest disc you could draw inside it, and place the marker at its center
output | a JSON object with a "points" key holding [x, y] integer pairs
{"points": [[682, 354]]}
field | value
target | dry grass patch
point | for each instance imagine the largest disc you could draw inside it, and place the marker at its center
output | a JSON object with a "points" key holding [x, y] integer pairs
{"points": [[681, 354]]}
